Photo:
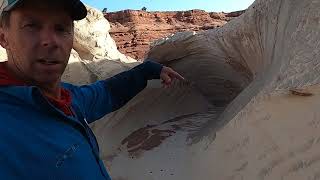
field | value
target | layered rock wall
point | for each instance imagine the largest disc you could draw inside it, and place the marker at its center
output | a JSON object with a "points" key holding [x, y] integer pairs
{"points": [[134, 30]]}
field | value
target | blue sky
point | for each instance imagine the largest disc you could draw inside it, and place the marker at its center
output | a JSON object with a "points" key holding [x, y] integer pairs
{"points": [[171, 5]]}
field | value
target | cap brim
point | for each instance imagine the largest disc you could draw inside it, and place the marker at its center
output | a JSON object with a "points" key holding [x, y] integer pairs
{"points": [[76, 8], [12, 5]]}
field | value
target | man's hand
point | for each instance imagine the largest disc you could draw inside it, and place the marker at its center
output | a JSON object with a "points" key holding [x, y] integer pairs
{"points": [[168, 76]]}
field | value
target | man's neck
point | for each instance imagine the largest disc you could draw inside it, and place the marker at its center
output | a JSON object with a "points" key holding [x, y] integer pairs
{"points": [[52, 90]]}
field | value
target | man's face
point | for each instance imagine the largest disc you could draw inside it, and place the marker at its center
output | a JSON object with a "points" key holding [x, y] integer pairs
{"points": [[39, 40]]}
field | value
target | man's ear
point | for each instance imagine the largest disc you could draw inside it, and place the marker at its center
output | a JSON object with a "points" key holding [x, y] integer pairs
{"points": [[3, 38]]}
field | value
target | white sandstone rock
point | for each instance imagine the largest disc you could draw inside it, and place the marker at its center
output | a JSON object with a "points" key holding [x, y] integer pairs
{"points": [[251, 126], [3, 54], [92, 39]]}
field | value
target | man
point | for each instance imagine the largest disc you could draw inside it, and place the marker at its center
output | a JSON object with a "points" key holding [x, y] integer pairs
{"points": [[44, 128]]}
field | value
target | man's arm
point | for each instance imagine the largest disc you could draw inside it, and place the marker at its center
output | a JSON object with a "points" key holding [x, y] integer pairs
{"points": [[108, 95], [103, 97], [126, 85]]}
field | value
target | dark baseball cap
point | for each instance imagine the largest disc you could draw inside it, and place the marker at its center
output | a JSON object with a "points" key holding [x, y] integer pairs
{"points": [[76, 8]]}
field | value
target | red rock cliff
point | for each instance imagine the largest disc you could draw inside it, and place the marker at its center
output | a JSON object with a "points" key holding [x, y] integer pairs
{"points": [[134, 30]]}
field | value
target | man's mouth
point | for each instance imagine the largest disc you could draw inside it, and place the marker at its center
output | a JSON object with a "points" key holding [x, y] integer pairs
{"points": [[48, 62]]}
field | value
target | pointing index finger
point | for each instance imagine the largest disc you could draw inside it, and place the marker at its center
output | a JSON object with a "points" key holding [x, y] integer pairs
{"points": [[178, 76]]}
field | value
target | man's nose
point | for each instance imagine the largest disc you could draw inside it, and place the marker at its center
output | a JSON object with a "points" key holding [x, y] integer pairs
{"points": [[48, 38]]}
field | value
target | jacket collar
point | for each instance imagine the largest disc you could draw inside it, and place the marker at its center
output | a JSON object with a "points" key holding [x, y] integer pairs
{"points": [[63, 104], [7, 79]]}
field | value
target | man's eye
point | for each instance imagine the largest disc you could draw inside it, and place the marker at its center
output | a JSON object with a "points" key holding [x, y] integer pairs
{"points": [[31, 26], [62, 29]]}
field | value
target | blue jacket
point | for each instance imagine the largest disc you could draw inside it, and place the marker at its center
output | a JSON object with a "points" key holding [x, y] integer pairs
{"points": [[38, 141]]}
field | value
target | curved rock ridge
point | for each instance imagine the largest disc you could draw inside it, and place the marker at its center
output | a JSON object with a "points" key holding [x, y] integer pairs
{"points": [[249, 111]]}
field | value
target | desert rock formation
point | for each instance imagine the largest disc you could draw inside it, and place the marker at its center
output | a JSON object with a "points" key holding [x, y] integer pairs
{"points": [[133, 31], [249, 112], [249, 109]]}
